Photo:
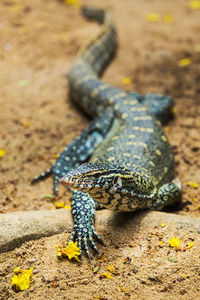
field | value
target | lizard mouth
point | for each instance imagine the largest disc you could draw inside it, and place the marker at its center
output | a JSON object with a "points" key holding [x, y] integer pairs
{"points": [[76, 183], [83, 184]]}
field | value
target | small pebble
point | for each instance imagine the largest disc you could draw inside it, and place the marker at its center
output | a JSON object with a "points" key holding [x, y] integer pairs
{"points": [[180, 278], [135, 271]]}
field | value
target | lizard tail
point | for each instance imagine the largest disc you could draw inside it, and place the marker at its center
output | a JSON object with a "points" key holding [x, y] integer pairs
{"points": [[99, 50], [92, 58]]}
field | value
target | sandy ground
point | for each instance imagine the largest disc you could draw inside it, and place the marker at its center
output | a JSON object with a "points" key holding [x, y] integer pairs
{"points": [[38, 41]]}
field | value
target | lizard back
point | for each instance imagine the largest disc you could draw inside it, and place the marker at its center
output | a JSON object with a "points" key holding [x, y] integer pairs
{"points": [[136, 138]]}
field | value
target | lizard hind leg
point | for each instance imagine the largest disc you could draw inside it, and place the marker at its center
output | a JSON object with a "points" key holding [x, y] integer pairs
{"points": [[79, 150], [161, 106], [168, 194]]}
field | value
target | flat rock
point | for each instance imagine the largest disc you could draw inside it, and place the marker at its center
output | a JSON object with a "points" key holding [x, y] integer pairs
{"points": [[18, 227]]}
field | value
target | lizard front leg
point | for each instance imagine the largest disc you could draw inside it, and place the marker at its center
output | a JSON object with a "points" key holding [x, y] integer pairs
{"points": [[83, 205], [80, 150], [83, 211]]}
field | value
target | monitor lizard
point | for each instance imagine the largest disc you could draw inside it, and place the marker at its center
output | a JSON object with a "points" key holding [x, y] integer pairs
{"points": [[123, 161]]}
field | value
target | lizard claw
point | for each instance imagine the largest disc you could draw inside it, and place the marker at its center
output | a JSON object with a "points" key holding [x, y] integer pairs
{"points": [[42, 176], [98, 238], [46, 174]]}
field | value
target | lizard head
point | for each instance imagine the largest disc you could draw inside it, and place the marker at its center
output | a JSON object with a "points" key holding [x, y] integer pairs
{"points": [[108, 183]]}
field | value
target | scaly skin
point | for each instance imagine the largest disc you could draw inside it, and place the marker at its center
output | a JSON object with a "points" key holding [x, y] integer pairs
{"points": [[123, 160]]}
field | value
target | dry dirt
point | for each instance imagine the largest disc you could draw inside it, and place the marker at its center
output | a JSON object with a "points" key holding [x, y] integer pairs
{"points": [[38, 42]]}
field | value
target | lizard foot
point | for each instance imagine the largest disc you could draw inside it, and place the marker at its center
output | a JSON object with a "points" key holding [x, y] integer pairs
{"points": [[57, 170], [84, 234]]}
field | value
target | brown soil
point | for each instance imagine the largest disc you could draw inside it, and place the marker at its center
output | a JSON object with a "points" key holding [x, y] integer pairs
{"points": [[39, 41]]}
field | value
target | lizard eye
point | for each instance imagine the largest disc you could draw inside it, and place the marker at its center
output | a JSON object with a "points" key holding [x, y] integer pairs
{"points": [[117, 181]]}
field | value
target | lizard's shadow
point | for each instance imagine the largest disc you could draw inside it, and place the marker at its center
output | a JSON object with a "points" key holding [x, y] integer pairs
{"points": [[123, 219], [122, 226]]}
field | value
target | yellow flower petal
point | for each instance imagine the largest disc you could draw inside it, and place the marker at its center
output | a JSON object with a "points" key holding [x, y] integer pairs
{"points": [[161, 244], [126, 80], [197, 48], [197, 207], [194, 199], [59, 204], [131, 244], [167, 129], [68, 205], [71, 251], [63, 205], [16, 7], [194, 4], [2, 152], [123, 289], [112, 269], [153, 17], [174, 242], [190, 245], [102, 259], [162, 225], [56, 155], [25, 123], [107, 275], [74, 3], [184, 62], [22, 278], [168, 18], [193, 184]]}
